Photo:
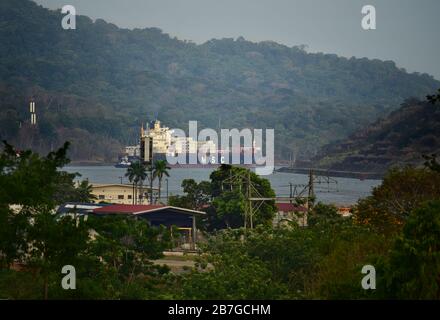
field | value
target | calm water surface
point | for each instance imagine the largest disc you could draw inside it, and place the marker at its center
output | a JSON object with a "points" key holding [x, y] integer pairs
{"points": [[346, 191]]}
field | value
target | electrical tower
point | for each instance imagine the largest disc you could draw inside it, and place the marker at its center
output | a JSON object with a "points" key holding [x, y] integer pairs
{"points": [[299, 193], [316, 183], [253, 198]]}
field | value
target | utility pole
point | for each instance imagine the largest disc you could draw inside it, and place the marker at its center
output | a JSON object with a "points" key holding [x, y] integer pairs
{"points": [[151, 182], [311, 188], [291, 191], [249, 199], [253, 199]]}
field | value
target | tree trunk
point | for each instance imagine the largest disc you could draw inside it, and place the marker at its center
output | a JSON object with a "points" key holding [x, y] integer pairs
{"points": [[136, 194], [141, 192], [160, 186], [132, 194], [151, 186], [46, 287]]}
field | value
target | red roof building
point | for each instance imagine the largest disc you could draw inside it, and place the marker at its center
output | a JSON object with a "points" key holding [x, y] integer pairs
{"points": [[290, 207], [157, 215], [290, 212], [128, 208], [142, 208]]}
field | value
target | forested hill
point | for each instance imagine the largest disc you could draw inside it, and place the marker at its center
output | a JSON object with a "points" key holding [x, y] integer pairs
{"points": [[94, 85], [401, 138]]}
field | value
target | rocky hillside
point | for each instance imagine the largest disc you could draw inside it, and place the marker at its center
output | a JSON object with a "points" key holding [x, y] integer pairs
{"points": [[401, 138]]}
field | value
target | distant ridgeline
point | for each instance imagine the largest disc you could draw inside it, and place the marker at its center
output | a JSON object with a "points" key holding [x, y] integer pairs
{"points": [[400, 138], [95, 85]]}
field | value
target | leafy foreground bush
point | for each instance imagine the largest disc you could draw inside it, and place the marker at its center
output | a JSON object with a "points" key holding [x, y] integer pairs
{"points": [[113, 256], [413, 270], [322, 261]]}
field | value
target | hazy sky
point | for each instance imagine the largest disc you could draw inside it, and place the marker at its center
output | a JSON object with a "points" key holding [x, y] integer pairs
{"points": [[407, 30]]}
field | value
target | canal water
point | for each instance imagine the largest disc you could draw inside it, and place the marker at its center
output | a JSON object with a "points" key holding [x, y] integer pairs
{"points": [[341, 191]]}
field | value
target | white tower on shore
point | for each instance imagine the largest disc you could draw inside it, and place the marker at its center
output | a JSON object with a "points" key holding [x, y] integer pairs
{"points": [[33, 113]]}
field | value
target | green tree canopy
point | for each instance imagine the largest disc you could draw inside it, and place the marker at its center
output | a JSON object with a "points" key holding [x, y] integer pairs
{"points": [[413, 271], [402, 190]]}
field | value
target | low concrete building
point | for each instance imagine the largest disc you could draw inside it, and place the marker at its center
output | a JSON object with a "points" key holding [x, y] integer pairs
{"points": [[120, 193]]}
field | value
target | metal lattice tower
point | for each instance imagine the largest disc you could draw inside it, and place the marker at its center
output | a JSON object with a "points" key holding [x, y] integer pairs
{"points": [[300, 193], [253, 198]]}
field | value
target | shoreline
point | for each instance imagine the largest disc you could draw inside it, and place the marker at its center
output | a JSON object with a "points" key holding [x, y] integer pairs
{"points": [[89, 164], [335, 173]]}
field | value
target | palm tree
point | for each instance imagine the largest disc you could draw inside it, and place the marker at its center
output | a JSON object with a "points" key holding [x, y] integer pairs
{"points": [[151, 177], [136, 173], [131, 177], [84, 192], [160, 170]]}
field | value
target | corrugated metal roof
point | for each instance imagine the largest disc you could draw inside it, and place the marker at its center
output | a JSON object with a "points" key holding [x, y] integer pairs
{"points": [[139, 209], [128, 208]]}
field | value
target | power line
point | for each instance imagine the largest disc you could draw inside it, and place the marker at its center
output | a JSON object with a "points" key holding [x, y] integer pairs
{"points": [[254, 200]]}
